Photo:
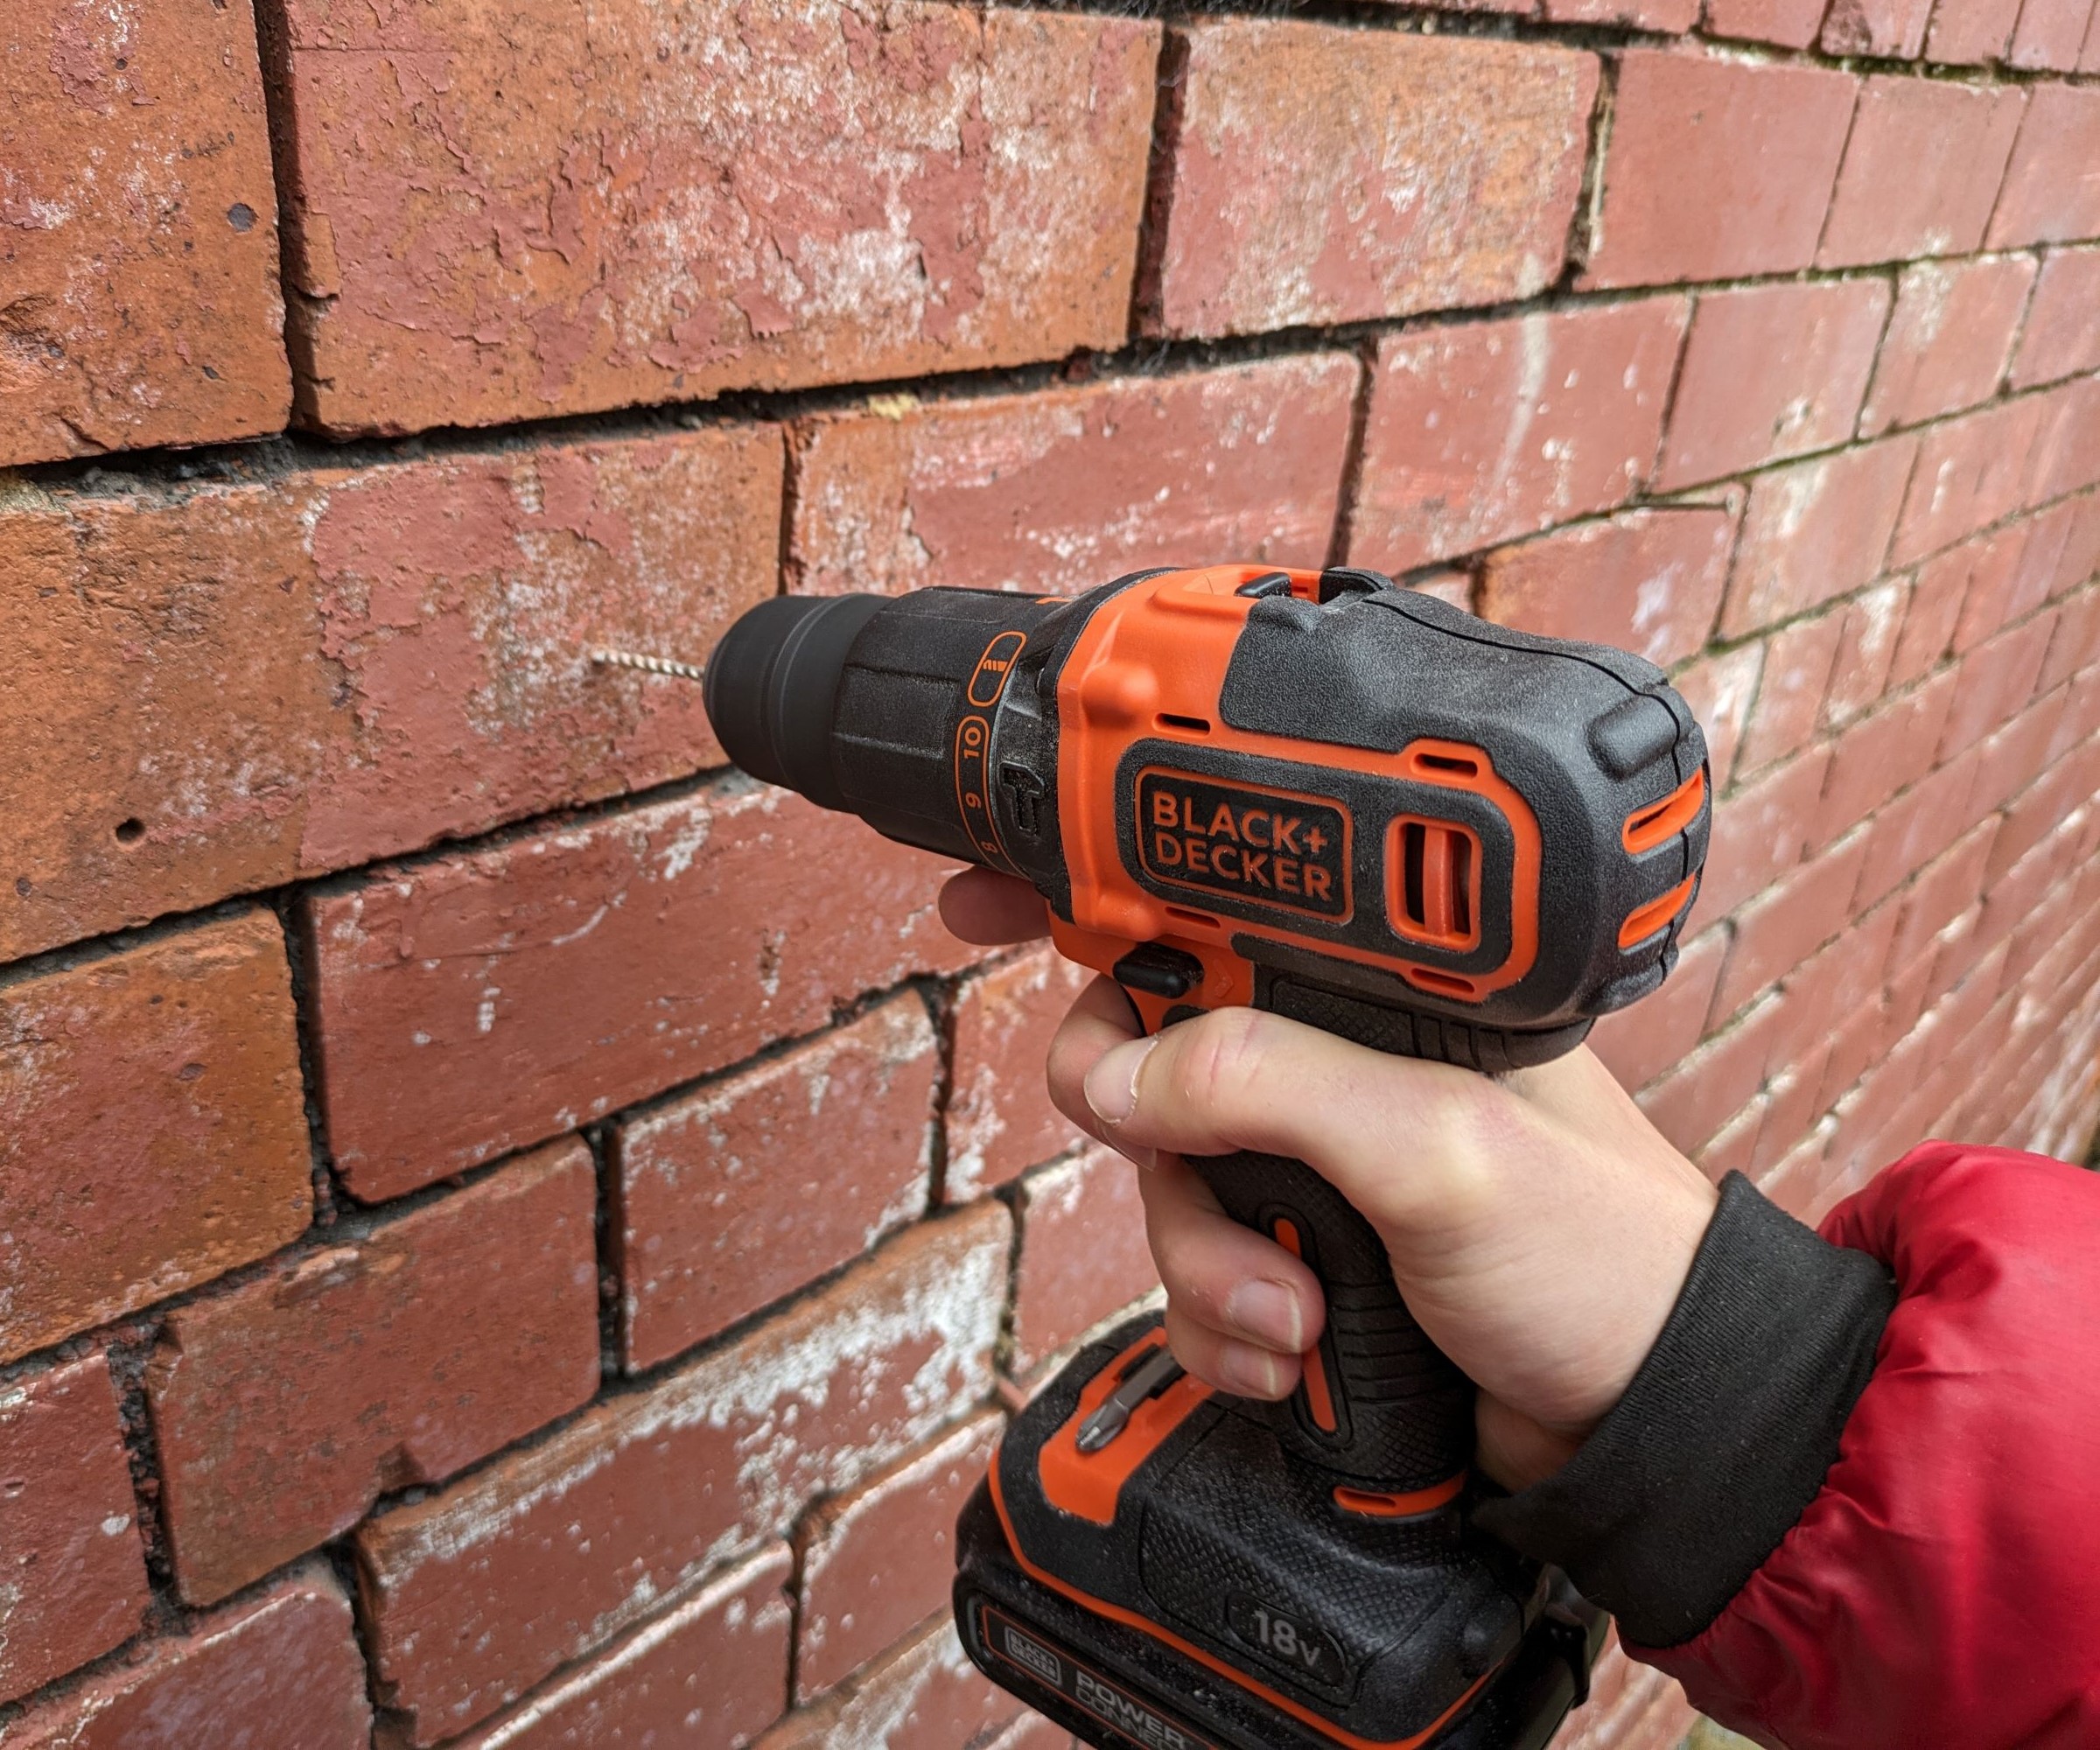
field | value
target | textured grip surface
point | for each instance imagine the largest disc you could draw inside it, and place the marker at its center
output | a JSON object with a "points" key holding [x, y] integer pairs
{"points": [[1401, 1413]]}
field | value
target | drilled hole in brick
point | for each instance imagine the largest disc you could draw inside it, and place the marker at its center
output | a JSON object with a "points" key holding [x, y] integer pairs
{"points": [[130, 831], [241, 216]]}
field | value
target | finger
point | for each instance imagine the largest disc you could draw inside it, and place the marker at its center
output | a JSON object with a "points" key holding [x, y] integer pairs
{"points": [[1238, 1078], [1231, 1281], [1097, 1022], [984, 906], [1225, 1365]]}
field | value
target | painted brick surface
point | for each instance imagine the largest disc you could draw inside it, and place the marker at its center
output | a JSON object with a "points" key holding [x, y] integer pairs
{"points": [[496, 997], [1481, 432], [1770, 372], [1948, 340], [732, 1196], [1921, 170], [709, 1670], [1000, 1121], [476, 1321], [1444, 173], [1083, 1254], [139, 252], [350, 663], [481, 229], [481, 1590], [1064, 489], [1646, 580], [152, 1134], [279, 1668], [71, 1566], [879, 1560], [1716, 168]]}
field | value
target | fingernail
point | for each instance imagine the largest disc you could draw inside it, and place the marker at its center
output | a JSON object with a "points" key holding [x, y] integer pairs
{"points": [[1268, 1312], [1111, 1085], [1251, 1372]]}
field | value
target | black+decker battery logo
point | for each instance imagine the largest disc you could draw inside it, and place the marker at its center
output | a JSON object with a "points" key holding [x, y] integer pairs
{"points": [[1267, 846]]}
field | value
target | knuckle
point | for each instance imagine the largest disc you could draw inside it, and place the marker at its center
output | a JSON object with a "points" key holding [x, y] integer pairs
{"points": [[1218, 1056]]}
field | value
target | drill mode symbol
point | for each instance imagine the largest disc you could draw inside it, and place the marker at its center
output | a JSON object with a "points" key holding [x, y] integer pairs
{"points": [[1344, 802]]}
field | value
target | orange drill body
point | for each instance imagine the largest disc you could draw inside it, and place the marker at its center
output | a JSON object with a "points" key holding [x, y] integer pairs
{"points": [[1349, 804]]}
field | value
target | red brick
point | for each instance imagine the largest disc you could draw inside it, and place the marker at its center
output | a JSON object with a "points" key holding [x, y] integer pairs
{"points": [[476, 1593], [732, 1196], [2048, 196], [2037, 811], [1844, 984], [1894, 28], [1716, 168], [2088, 58], [1783, 926], [284, 1409], [1083, 1253], [1921, 169], [1719, 690], [1790, 698], [152, 1130], [2081, 713], [2014, 577], [1944, 889], [287, 677], [1789, 24], [1000, 1121], [1638, 1044], [1881, 755], [1971, 473], [1981, 571], [1769, 372], [878, 1561], [1761, 832], [1647, 580], [1994, 682], [2008, 761], [1949, 341], [551, 215], [2080, 561], [1909, 832], [1970, 32], [2065, 456], [281, 1668], [1485, 431], [492, 999], [1064, 489], [1734, 1147], [2050, 35], [2013, 895], [1696, 1098], [1032, 1731], [1866, 649], [141, 250], [2075, 643], [1791, 1111], [711, 1670], [1672, 16], [1452, 585], [71, 1566], [1322, 175], [925, 1696], [1815, 530]]}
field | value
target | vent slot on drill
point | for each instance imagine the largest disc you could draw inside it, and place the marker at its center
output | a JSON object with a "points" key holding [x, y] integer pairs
{"points": [[1440, 883]]}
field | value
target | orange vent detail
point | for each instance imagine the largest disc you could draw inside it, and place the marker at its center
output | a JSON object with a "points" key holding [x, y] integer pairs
{"points": [[1644, 921], [1659, 823], [1435, 873]]}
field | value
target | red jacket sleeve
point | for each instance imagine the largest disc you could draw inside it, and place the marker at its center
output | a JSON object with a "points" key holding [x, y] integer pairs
{"points": [[1941, 1589]]}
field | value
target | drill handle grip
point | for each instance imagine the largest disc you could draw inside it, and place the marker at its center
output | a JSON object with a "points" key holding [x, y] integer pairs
{"points": [[1379, 1405]]}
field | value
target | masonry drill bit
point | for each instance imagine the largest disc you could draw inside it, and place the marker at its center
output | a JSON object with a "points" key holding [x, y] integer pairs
{"points": [[650, 665]]}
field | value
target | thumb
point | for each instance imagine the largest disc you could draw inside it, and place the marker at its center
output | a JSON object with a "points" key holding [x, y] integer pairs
{"points": [[1240, 1079]]}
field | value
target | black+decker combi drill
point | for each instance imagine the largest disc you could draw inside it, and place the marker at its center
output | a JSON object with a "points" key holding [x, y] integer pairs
{"points": [[1346, 803]]}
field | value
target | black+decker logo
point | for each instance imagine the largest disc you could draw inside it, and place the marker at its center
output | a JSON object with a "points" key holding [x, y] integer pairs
{"points": [[1267, 846]]}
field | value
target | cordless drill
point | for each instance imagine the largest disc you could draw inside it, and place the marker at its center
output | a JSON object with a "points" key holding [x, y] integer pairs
{"points": [[1346, 803]]}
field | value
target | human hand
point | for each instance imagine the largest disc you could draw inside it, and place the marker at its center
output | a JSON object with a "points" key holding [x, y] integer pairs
{"points": [[1540, 1227]]}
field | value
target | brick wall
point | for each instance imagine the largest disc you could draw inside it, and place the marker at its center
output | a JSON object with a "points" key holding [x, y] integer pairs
{"points": [[514, 1236]]}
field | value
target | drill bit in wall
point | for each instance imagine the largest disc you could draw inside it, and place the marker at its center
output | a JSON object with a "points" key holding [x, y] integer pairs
{"points": [[648, 665]]}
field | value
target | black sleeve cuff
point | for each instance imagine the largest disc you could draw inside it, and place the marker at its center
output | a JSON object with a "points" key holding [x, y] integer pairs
{"points": [[1725, 1433]]}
